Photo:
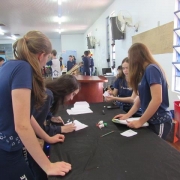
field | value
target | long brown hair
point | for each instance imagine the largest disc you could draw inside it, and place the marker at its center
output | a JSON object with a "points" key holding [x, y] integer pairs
{"points": [[139, 58], [61, 87], [121, 74], [27, 49]]}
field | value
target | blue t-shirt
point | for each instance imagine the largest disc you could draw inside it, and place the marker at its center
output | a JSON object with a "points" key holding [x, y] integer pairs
{"points": [[70, 64], [41, 114], [49, 63], [86, 62], [14, 74], [44, 113], [154, 75], [123, 90]]}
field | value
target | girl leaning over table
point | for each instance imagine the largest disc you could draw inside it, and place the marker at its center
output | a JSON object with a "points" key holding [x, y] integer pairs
{"points": [[22, 88], [148, 80], [122, 93], [59, 91]]}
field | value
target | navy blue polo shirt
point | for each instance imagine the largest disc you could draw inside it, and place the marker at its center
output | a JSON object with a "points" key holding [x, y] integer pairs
{"points": [[15, 74], [154, 75]]}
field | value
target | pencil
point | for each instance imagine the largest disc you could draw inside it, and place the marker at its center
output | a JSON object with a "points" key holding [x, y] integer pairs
{"points": [[107, 133], [72, 120]]}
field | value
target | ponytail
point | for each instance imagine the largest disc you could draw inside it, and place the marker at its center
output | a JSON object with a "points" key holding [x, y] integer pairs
{"points": [[27, 49]]}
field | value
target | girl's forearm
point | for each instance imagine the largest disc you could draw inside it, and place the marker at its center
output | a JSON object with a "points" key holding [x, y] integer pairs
{"points": [[124, 99], [30, 141], [150, 111], [133, 110], [38, 130]]}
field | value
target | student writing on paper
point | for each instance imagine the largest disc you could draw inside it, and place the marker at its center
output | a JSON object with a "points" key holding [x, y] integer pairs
{"points": [[22, 90], [58, 92], [148, 79], [122, 92]]}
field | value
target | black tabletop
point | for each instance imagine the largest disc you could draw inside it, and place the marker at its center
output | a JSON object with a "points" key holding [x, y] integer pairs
{"points": [[113, 157]]}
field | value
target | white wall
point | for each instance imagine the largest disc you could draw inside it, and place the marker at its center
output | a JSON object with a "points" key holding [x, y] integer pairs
{"points": [[56, 44], [149, 14], [73, 42]]}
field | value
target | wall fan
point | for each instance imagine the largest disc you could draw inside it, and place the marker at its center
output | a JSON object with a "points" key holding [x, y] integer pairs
{"points": [[124, 19], [91, 42]]}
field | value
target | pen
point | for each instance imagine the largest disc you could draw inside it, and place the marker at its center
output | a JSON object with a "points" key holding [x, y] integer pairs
{"points": [[107, 133], [72, 120]]}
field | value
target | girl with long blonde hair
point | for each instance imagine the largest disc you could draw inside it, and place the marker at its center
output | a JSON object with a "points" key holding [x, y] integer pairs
{"points": [[148, 80], [22, 89]]}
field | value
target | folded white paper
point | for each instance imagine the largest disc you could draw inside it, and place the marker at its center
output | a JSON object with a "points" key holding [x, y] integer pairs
{"points": [[81, 104], [79, 111], [106, 93], [78, 125], [128, 133], [129, 120]]}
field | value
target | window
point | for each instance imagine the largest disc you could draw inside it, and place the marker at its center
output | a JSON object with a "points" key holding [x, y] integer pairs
{"points": [[176, 46]]}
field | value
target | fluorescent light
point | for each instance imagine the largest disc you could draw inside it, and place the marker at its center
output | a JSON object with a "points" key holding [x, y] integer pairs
{"points": [[1, 32], [13, 37], [59, 21], [59, 2]]}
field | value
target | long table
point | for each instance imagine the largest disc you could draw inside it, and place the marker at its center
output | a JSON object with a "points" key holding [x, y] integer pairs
{"points": [[113, 157]]}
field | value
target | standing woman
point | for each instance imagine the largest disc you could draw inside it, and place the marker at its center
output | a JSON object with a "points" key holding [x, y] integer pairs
{"points": [[148, 79], [21, 89], [86, 62]]}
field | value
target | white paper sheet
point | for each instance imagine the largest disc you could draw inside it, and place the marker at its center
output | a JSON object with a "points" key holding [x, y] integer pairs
{"points": [[128, 133], [78, 125], [81, 104], [82, 111], [106, 94], [129, 119]]}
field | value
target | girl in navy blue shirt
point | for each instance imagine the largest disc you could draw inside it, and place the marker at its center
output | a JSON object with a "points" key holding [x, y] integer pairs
{"points": [[59, 92], [21, 90], [148, 80], [122, 92]]}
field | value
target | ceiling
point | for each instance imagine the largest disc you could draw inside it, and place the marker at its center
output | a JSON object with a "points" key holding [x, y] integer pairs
{"points": [[21, 16]]}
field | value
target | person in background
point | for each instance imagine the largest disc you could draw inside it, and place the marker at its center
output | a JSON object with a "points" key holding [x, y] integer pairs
{"points": [[23, 90], [55, 65], [70, 63], [113, 69], [148, 80], [59, 92], [91, 64], [81, 69], [74, 59], [2, 60], [119, 70], [86, 62], [60, 60], [122, 93]]}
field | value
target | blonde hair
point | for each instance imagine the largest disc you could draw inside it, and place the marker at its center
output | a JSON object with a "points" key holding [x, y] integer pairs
{"points": [[139, 58], [27, 49]]}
